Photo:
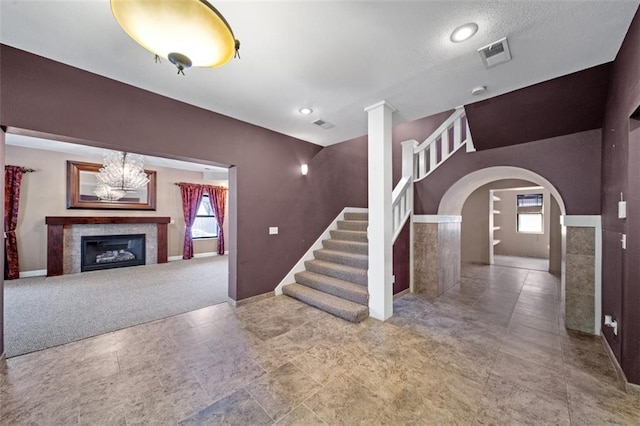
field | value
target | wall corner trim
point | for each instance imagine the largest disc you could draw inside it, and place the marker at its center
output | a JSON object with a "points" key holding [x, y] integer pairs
{"points": [[591, 221], [436, 218], [317, 245]]}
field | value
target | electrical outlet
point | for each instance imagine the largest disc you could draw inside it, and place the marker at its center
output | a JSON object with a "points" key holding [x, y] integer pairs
{"points": [[273, 230]]}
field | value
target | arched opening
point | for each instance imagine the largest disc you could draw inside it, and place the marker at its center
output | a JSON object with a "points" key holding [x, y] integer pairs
{"points": [[454, 199]]}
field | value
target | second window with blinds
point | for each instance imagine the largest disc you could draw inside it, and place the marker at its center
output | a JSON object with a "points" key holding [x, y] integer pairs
{"points": [[529, 211]]}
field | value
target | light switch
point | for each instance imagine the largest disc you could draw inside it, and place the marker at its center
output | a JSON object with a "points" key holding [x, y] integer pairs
{"points": [[624, 241], [273, 230], [622, 209]]}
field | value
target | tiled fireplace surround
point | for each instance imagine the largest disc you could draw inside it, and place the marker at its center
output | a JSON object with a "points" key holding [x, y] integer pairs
{"points": [[65, 232]]}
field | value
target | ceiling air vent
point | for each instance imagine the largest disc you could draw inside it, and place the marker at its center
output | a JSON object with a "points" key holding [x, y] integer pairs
{"points": [[323, 124], [495, 53]]}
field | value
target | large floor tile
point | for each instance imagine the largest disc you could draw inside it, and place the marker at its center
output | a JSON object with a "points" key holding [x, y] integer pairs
{"points": [[282, 390]]}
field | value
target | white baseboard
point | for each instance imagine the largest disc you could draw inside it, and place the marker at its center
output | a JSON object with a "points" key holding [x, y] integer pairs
{"points": [[299, 267], [36, 273], [207, 254]]}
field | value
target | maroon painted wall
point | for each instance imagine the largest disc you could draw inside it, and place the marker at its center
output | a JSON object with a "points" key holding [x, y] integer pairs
{"points": [[562, 106], [571, 163], [621, 277], [46, 97], [2, 255], [401, 260]]}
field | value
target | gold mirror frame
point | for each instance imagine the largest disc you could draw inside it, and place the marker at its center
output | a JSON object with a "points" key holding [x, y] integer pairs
{"points": [[77, 198]]}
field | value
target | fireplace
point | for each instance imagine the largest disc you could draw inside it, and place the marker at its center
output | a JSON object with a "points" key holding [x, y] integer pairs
{"points": [[112, 251]]}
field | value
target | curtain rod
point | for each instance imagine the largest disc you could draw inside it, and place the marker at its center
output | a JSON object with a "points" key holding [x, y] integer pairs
{"points": [[26, 170], [201, 184]]}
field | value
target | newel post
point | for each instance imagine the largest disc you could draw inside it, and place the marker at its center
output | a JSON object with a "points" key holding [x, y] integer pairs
{"points": [[380, 232]]}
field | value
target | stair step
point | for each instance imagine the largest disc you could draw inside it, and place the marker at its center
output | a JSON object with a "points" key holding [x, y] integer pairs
{"points": [[335, 270], [353, 225], [340, 288], [356, 260], [346, 246], [360, 236], [356, 216], [337, 306]]}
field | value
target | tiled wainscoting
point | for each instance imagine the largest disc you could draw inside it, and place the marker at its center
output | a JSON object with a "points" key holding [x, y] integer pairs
{"points": [[436, 247], [583, 273]]}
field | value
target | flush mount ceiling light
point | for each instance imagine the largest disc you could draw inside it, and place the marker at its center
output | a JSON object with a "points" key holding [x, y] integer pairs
{"points": [[186, 32], [305, 111], [464, 32], [479, 90]]}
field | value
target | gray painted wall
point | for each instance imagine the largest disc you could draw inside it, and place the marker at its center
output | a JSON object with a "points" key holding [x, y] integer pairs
{"points": [[512, 242], [475, 221]]}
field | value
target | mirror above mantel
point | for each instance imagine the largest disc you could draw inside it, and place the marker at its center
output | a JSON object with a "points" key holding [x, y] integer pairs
{"points": [[82, 182]]}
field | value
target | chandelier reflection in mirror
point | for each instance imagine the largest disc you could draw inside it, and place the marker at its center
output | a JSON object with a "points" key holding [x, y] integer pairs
{"points": [[105, 193], [121, 172]]}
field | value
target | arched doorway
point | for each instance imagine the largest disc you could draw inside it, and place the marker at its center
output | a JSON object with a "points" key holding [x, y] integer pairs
{"points": [[454, 199]]}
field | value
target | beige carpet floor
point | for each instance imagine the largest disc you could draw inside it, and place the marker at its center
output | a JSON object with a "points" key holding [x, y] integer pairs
{"points": [[44, 312]]}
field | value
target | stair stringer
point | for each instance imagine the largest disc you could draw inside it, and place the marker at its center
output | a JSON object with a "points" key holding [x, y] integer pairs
{"points": [[317, 245]]}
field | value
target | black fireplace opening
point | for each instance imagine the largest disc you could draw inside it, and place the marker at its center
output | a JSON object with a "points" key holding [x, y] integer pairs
{"points": [[112, 251]]}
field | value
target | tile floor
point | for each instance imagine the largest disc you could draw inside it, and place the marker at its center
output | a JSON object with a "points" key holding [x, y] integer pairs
{"points": [[521, 262], [490, 351]]}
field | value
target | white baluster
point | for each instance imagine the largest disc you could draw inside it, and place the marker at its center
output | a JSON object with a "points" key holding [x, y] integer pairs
{"points": [[445, 144], [469, 140], [433, 156], [457, 132]]}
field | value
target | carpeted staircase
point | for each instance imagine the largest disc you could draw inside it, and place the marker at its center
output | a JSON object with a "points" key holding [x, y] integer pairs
{"points": [[336, 280]]}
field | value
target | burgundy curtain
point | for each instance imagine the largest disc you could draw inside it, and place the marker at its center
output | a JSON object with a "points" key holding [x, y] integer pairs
{"points": [[218, 198], [191, 197], [12, 179]]}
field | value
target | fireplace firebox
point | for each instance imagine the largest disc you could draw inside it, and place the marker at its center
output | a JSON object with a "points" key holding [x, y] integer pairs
{"points": [[112, 251]]}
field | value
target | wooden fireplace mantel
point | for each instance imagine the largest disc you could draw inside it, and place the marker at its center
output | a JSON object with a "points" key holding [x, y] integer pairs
{"points": [[55, 235]]}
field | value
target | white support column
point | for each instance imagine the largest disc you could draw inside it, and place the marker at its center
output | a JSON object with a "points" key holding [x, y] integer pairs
{"points": [[380, 230]]}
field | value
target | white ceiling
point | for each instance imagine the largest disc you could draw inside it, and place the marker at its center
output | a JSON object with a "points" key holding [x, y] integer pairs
{"points": [[98, 154], [336, 57]]}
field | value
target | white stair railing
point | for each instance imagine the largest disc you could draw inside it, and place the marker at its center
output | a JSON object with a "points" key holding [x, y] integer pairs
{"points": [[418, 161], [401, 205], [442, 144]]}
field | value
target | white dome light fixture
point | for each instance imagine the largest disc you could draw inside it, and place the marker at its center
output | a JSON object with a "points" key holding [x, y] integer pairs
{"points": [[464, 32], [479, 90], [186, 32], [305, 110]]}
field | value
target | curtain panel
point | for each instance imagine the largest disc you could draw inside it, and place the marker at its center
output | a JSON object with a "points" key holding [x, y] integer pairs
{"points": [[191, 197], [218, 197], [12, 180]]}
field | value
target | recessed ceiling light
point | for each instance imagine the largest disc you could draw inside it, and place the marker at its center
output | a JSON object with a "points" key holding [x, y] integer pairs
{"points": [[464, 32], [478, 90], [305, 111]]}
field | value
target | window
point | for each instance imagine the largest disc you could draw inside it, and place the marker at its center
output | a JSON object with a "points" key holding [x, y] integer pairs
{"points": [[205, 225], [530, 219]]}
